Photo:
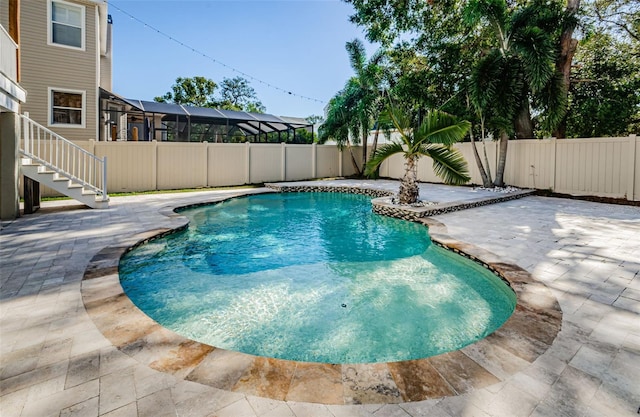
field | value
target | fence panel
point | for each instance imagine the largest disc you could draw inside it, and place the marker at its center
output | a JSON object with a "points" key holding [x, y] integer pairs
{"points": [[265, 163], [227, 164], [299, 163], [592, 167], [327, 161], [131, 165], [530, 163], [181, 165]]}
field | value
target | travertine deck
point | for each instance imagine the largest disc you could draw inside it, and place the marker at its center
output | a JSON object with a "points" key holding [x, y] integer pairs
{"points": [[56, 361]]}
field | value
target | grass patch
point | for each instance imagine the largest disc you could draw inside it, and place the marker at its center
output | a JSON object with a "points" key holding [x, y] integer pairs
{"points": [[181, 190]]}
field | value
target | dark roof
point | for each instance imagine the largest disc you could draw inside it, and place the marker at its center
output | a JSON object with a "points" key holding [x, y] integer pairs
{"points": [[252, 122]]}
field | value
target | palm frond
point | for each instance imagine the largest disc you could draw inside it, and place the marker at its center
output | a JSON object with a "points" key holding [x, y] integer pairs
{"points": [[357, 55], [448, 163], [382, 153], [441, 127], [537, 51]]}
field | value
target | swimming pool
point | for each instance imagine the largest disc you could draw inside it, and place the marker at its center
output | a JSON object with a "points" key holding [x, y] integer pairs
{"points": [[313, 277]]}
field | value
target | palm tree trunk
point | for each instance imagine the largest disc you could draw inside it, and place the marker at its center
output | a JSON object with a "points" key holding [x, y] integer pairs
{"points": [[502, 160], [409, 190], [353, 160], [486, 182], [365, 139], [523, 123], [568, 47], [374, 146]]}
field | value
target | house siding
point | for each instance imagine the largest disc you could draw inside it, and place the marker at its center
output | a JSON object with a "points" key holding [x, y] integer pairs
{"points": [[4, 14], [47, 66]]}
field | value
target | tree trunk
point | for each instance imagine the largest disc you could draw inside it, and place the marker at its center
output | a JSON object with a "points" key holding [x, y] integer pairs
{"points": [[502, 160], [409, 190], [365, 139], [568, 47], [523, 123], [486, 182], [353, 160], [374, 146]]}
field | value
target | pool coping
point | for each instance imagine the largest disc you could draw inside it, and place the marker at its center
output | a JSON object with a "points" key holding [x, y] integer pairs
{"points": [[527, 334]]}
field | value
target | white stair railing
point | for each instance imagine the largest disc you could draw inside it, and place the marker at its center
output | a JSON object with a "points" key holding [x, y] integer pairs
{"points": [[64, 157]]}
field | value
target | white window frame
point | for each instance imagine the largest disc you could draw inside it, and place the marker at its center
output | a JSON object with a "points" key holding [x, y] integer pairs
{"points": [[83, 116], [83, 24]]}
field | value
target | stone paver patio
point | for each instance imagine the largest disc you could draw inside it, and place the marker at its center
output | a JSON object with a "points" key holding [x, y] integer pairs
{"points": [[55, 361]]}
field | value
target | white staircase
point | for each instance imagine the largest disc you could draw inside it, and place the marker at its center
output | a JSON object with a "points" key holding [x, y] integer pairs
{"points": [[58, 163]]}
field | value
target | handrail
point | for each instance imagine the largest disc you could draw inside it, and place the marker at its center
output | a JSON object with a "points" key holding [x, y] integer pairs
{"points": [[63, 156]]}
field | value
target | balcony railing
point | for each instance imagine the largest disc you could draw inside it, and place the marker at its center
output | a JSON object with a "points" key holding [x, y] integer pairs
{"points": [[8, 57]]}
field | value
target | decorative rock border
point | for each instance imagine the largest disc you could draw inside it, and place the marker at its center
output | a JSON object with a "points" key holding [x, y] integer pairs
{"points": [[382, 206], [527, 334], [371, 192]]}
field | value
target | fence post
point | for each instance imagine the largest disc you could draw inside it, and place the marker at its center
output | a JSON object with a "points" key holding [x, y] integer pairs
{"points": [[104, 179], [283, 157], [631, 185], [314, 160], [247, 159], [155, 162], [554, 152]]}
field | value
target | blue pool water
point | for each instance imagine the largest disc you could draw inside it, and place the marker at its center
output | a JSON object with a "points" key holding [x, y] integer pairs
{"points": [[313, 277]]}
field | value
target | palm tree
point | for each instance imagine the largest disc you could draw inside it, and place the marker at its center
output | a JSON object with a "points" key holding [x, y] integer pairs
{"points": [[432, 138], [369, 76], [518, 71], [354, 109]]}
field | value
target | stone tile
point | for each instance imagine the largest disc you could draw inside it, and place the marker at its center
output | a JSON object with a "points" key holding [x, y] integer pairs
{"points": [[240, 408], [391, 410], [351, 410], [494, 359], [591, 361], [158, 404], [32, 378], [149, 381], [419, 380], [116, 390], [205, 404], [316, 383], [83, 368], [61, 400], [302, 409], [267, 377], [129, 410], [461, 372], [221, 369], [88, 408], [370, 384], [11, 405]]}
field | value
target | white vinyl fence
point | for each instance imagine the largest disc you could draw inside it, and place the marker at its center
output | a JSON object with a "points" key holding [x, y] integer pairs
{"points": [[605, 167]]}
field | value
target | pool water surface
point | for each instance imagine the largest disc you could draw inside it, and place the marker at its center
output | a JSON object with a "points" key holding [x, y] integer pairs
{"points": [[313, 277]]}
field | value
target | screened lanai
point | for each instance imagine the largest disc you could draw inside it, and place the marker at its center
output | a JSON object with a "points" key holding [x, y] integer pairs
{"points": [[138, 120]]}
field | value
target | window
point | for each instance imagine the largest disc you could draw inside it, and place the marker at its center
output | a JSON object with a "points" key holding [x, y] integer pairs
{"points": [[66, 24], [67, 108]]}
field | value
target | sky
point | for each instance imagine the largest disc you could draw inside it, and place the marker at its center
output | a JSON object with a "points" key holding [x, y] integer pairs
{"points": [[295, 46]]}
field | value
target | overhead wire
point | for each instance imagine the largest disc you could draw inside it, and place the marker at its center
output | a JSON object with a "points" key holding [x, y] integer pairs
{"points": [[212, 59]]}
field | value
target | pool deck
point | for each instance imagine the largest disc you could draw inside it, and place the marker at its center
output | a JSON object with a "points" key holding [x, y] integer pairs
{"points": [[57, 361]]}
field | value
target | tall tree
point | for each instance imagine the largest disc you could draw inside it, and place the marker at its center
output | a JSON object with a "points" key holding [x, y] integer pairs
{"points": [[369, 76], [519, 67], [605, 86], [567, 50], [192, 91], [237, 94], [342, 123], [352, 112], [432, 138]]}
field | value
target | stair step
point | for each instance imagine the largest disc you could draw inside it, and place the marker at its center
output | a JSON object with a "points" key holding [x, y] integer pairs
{"points": [[62, 184]]}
